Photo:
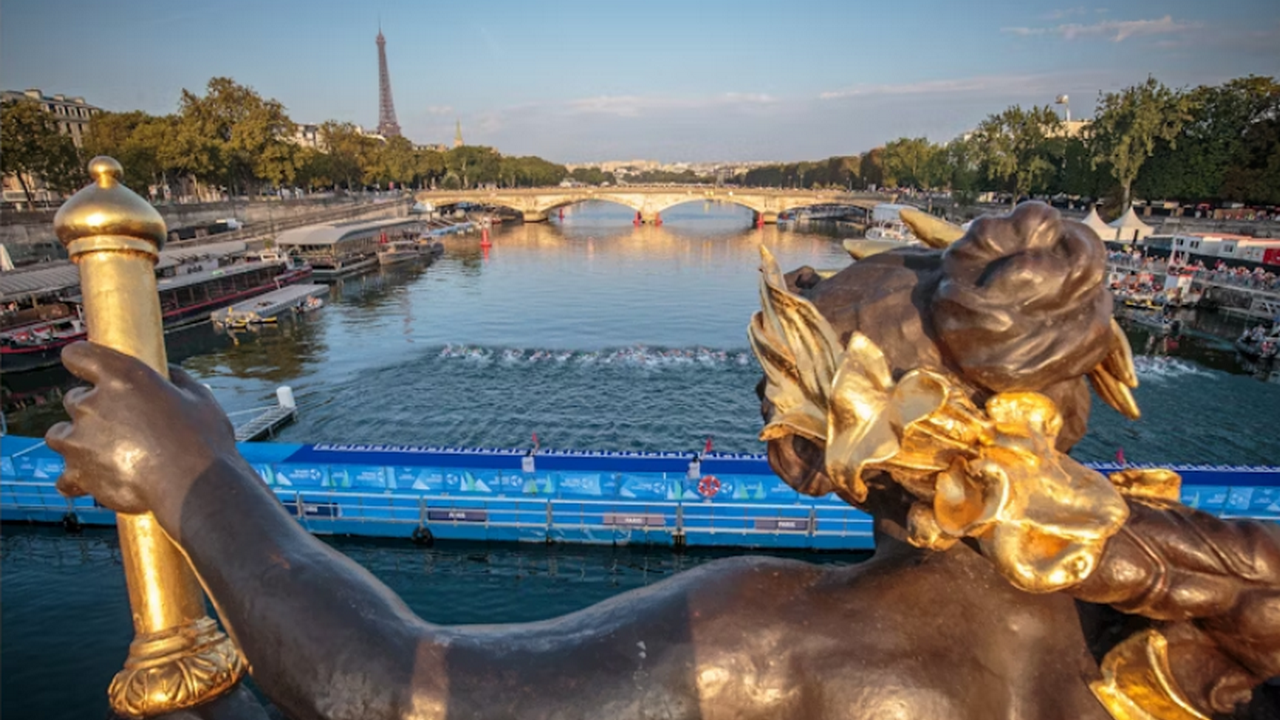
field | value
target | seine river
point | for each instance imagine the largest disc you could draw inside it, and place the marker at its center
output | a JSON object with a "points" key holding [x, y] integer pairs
{"points": [[591, 333]]}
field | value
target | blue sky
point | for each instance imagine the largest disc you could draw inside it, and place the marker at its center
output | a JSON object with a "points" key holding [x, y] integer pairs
{"points": [[575, 80]]}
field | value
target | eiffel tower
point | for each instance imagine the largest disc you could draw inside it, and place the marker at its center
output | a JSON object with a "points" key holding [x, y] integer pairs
{"points": [[387, 125]]}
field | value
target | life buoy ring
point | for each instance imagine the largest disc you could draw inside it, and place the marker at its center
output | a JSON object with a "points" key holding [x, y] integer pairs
{"points": [[709, 486], [423, 536]]}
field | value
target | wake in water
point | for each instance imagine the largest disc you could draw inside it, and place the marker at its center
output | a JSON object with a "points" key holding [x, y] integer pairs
{"points": [[1163, 367], [638, 356]]}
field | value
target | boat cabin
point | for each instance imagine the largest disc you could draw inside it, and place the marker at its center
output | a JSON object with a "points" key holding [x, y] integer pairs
{"points": [[335, 248]]}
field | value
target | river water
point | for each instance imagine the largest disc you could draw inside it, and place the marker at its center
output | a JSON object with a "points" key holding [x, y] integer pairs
{"points": [[590, 332]]}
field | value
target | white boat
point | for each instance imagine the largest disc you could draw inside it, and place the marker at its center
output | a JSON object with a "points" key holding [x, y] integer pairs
{"points": [[398, 251], [886, 224], [895, 232], [310, 305]]}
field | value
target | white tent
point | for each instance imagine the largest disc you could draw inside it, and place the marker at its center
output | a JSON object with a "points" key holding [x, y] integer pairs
{"points": [[1095, 223], [1130, 228], [6, 263]]}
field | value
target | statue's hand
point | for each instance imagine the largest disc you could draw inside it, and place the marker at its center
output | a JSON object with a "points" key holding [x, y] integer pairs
{"points": [[135, 440], [1216, 586]]}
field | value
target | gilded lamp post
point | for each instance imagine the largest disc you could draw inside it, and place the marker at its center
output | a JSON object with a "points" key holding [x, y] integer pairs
{"points": [[179, 657]]}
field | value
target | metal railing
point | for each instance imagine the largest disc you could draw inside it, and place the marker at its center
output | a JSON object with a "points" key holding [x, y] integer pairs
{"points": [[547, 516]]}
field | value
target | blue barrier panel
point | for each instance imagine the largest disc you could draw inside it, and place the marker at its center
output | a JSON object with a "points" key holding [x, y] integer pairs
{"points": [[419, 479], [362, 478], [589, 497], [577, 484], [302, 477], [456, 518], [1209, 498]]}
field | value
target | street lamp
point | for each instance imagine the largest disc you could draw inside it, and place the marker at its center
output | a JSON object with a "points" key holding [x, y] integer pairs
{"points": [[1062, 100]]}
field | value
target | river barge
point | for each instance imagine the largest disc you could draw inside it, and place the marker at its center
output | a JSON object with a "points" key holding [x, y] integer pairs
{"points": [[341, 248], [425, 493], [185, 299]]}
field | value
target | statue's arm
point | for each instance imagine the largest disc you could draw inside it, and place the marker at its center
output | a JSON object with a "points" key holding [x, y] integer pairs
{"points": [[324, 638], [1216, 585]]}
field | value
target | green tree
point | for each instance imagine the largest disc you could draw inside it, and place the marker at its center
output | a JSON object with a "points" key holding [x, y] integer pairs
{"points": [[394, 161], [871, 166], [530, 171], [315, 170], [960, 169], [65, 170], [1196, 164], [593, 176], [844, 170], [1255, 177], [1130, 122], [122, 136], [429, 166], [184, 148], [351, 155], [34, 149], [473, 165], [911, 162], [247, 136], [1076, 173], [1015, 146]]}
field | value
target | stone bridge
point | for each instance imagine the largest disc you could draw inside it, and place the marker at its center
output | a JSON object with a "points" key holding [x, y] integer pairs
{"points": [[650, 201]]}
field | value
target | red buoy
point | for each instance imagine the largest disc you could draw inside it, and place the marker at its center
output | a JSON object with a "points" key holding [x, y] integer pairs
{"points": [[636, 222], [657, 218], [484, 238]]}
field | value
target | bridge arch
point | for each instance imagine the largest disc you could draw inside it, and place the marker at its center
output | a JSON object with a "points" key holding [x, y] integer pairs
{"points": [[648, 201]]}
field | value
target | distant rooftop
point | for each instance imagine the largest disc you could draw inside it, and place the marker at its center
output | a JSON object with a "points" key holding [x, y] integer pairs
{"points": [[36, 94]]}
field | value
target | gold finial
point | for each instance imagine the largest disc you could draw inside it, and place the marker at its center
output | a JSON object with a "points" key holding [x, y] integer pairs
{"points": [[105, 171], [108, 215]]}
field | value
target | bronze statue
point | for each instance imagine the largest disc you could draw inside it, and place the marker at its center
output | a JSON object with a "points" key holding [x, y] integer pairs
{"points": [[937, 389]]}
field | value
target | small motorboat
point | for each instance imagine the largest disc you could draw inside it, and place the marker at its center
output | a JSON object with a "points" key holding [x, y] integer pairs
{"points": [[310, 305], [1259, 347], [397, 251]]}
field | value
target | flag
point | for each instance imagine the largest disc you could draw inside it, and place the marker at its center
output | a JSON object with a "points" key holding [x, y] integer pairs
{"points": [[1120, 456], [535, 441], [708, 449]]}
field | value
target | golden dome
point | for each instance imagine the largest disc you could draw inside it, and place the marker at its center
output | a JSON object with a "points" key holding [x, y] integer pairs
{"points": [[108, 208]]}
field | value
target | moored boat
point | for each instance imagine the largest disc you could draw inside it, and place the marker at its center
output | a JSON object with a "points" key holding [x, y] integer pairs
{"points": [[398, 251], [340, 248], [184, 300], [1259, 346], [887, 225]]}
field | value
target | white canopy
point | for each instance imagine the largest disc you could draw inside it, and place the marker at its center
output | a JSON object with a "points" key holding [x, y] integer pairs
{"points": [[1130, 228], [1095, 223]]}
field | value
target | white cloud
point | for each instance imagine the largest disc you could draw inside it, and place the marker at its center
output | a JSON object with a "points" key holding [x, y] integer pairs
{"points": [[983, 83], [440, 110], [1065, 13], [636, 105], [1114, 30]]}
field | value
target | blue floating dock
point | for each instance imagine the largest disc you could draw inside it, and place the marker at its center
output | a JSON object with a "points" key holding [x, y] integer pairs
{"points": [[570, 497]]}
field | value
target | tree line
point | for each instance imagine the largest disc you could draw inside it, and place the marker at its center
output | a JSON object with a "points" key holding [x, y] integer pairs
{"points": [[1218, 143], [232, 138], [1215, 143]]}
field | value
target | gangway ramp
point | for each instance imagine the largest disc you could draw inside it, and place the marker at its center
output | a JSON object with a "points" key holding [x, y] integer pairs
{"points": [[267, 420]]}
